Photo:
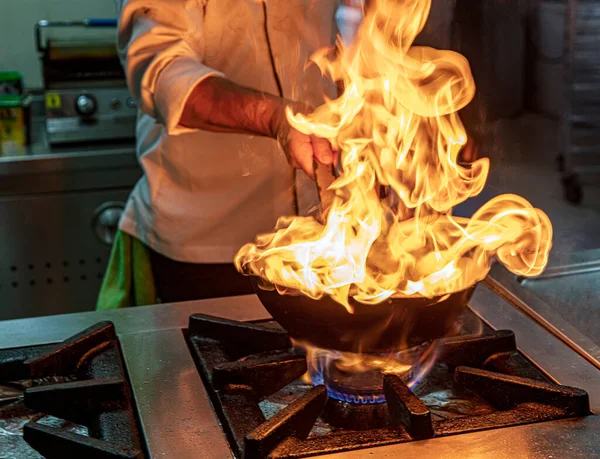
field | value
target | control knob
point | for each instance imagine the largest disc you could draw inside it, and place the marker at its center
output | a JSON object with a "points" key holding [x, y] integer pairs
{"points": [[86, 105]]}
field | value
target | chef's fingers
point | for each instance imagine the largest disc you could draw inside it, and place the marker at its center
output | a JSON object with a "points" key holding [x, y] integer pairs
{"points": [[302, 152], [322, 150], [336, 158]]}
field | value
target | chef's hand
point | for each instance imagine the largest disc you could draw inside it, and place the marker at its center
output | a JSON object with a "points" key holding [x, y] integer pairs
{"points": [[301, 149]]}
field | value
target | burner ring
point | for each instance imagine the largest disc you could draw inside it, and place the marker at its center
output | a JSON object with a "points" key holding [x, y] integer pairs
{"points": [[364, 388], [355, 416]]}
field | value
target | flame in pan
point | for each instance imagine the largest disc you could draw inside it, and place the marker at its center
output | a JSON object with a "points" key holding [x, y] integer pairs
{"points": [[397, 128]]}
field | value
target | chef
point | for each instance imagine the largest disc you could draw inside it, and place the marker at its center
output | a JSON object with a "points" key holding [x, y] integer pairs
{"points": [[212, 79]]}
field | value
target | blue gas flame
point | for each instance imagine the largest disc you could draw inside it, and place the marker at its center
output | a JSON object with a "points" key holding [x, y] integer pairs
{"points": [[359, 399]]}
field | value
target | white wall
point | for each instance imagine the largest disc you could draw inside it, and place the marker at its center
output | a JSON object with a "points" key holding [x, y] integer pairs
{"points": [[17, 44]]}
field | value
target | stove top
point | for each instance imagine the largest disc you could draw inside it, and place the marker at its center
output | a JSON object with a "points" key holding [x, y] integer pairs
{"points": [[479, 381], [68, 400], [220, 379]]}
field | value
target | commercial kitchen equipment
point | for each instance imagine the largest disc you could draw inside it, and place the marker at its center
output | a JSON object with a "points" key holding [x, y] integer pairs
{"points": [[219, 379], [61, 201], [60, 207], [578, 159], [85, 88]]}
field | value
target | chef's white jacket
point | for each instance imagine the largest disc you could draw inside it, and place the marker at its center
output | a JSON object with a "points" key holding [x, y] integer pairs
{"points": [[203, 194]]}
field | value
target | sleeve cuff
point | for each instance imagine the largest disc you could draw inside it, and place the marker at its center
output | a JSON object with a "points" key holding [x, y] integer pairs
{"points": [[173, 87]]}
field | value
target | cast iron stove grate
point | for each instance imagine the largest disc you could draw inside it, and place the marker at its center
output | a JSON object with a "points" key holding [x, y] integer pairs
{"points": [[243, 363], [81, 380]]}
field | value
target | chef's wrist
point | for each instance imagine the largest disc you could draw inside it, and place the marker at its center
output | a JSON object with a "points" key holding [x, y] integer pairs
{"points": [[279, 120]]}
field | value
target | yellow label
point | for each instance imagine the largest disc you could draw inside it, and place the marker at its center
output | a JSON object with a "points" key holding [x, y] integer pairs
{"points": [[53, 100], [12, 131]]}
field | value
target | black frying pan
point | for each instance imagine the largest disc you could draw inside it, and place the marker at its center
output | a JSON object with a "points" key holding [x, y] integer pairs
{"points": [[395, 324]]}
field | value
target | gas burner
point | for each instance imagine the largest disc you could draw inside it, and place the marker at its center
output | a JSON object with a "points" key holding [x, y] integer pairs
{"points": [[247, 365], [356, 416], [358, 378], [355, 388], [356, 400]]}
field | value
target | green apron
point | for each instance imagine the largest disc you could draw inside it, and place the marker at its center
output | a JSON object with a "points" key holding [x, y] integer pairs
{"points": [[128, 280]]}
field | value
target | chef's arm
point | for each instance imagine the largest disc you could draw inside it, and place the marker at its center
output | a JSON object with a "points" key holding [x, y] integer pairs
{"points": [[217, 104], [161, 45]]}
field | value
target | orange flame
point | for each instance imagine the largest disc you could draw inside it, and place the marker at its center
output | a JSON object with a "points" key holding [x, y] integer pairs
{"points": [[411, 364], [396, 125]]}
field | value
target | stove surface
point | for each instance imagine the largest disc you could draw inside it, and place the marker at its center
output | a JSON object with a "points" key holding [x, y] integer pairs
{"points": [[177, 415], [478, 381], [68, 400], [14, 415]]}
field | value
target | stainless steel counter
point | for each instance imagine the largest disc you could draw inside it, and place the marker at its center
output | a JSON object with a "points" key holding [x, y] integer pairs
{"points": [[144, 319], [46, 169], [178, 421], [564, 298]]}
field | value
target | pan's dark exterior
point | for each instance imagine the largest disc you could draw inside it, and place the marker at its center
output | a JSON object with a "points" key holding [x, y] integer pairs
{"points": [[395, 324]]}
